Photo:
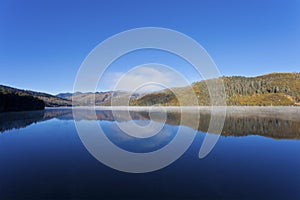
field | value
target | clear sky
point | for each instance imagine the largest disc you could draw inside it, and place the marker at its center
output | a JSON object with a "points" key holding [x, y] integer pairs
{"points": [[43, 43]]}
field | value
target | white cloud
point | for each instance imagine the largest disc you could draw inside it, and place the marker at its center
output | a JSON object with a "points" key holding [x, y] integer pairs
{"points": [[145, 78]]}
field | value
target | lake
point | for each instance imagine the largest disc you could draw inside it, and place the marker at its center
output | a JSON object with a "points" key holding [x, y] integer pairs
{"points": [[257, 156]]}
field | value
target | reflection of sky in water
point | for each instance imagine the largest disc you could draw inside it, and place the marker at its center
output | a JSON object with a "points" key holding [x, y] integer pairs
{"points": [[138, 145]]}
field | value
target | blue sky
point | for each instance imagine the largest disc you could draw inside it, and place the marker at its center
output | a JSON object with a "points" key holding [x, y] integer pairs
{"points": [[43, 43]]}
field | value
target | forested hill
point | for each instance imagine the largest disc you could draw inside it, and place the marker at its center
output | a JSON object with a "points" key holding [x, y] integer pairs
{"points": [[271, 89], [49, 100], [14, 102]]}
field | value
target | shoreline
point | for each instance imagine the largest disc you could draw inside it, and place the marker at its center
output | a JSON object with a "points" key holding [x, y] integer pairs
{"points": [[228, 109], [280, 112]]}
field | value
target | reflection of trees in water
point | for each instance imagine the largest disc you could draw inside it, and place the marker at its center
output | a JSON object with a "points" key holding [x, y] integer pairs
{"points": [[269, 127], [17, 120], [243, 125], [235, 125]]}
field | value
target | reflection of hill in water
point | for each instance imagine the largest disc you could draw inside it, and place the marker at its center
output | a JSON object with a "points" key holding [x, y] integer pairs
{"points": [[279, 127], [18, 120], [243, 125]]}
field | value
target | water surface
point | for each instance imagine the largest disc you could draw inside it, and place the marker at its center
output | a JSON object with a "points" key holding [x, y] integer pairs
{"points": [[256, 157]]}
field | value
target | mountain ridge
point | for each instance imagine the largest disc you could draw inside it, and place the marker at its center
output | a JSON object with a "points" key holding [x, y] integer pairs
{"points": [[277, 88]]}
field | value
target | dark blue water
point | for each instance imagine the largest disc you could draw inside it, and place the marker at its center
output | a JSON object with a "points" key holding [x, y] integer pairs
{"points": [[42, 157]]}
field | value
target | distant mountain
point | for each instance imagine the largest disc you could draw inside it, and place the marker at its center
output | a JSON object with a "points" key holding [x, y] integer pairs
{"points": [[64, 95], [48, 99], [85, 99], [271, 89], [101, 98]]}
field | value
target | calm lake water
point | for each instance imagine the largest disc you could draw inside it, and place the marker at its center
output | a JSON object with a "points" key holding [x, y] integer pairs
{"points": [[256, 157]]}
